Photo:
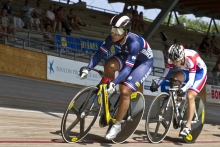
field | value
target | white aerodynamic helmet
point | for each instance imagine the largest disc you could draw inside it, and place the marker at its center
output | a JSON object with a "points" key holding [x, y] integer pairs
{"points": [[176, 52], [121, 23]]}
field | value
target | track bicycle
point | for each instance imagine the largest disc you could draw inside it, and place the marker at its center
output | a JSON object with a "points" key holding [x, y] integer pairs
{"points": [[85, 107], [167, 108]]}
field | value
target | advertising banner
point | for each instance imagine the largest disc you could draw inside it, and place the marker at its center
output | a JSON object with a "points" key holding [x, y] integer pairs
{"points": [[65, 70], [91, 46], [213, 94], [82, 44]]}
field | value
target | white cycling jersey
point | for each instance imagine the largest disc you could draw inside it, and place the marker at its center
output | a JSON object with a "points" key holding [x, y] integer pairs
{"points": [[192, 63]]}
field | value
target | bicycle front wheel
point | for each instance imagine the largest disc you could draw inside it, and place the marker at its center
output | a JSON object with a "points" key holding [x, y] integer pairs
{"points": [[159, 118], [80, 115]]}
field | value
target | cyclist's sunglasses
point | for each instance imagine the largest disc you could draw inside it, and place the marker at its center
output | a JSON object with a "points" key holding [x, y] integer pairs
{"points": [[117, 31]]}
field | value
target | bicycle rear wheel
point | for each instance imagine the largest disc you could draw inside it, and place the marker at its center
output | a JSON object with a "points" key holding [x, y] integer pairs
{"points": [[196, 127], [128, 127], [75, 124], [159, 119]]}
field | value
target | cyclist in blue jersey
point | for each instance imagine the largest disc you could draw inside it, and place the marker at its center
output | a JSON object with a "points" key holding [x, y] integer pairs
{"points": [[134, 63]]}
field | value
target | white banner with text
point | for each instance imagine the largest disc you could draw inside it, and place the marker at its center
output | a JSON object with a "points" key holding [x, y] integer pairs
{"points": [[213, 94], [65, 70]]}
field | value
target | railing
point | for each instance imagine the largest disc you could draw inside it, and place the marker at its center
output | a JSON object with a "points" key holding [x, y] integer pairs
{"points": [[28, 42], [43, 45], [53, 34], [60, 48]]}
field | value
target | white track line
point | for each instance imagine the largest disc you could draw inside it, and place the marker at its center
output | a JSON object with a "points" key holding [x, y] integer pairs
{"points": [[32, 111]]}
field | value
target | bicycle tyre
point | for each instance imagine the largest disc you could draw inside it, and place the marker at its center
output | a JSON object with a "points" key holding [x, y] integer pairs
{"points": [[164, 117], [128, 127], [196, 127], [74, 125]]}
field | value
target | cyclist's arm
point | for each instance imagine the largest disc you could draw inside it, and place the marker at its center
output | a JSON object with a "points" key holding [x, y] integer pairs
{"points": [[191, 63], [131, 59], [98, 56], [166, 72], [103, 50]]}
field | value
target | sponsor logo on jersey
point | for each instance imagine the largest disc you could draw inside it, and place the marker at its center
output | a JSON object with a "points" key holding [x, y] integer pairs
{"points": [[130, 77], [137, 84], [133, 58], [126, 49], [118, 46]]}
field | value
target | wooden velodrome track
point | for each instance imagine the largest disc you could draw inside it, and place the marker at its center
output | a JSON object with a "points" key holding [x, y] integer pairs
{"points": [[31, 113]]}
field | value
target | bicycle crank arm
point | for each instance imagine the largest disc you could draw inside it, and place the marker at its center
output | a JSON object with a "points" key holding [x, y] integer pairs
{"points": [[184, 121]]}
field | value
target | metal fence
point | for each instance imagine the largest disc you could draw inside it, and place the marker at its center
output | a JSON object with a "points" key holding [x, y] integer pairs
{"points": [[44, 47]]}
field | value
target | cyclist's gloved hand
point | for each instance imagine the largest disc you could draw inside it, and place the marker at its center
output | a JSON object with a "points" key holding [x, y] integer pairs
{"points": [[180, 92], [154, 88], [111, 87], [83, 74]]}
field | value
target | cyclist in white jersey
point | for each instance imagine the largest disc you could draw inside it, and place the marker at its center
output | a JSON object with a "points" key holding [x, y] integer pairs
{"points": [[192, 70]]}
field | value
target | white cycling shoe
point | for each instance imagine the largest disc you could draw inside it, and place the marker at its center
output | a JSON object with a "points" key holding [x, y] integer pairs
{"points": [[113, 132], [185, 131]]}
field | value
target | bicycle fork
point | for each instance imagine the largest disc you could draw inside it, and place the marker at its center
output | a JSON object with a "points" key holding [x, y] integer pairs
{"points": [[105, 101], [175, 105]]}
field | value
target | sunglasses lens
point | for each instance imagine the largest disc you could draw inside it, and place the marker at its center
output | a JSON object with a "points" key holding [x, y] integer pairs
{"points": [[117, 31]]}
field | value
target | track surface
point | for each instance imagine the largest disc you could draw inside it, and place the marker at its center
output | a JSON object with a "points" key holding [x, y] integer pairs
{"points": [[31, 113]]}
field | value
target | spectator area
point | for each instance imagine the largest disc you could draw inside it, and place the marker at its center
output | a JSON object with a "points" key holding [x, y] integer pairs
{"points": [[97, 28]]}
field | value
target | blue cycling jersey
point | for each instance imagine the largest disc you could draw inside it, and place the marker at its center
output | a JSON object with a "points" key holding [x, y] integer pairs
{"points": [[135, 47]]}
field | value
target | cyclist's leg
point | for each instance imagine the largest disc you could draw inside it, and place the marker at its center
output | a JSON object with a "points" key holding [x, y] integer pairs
{"points": [[181, 76], [122, 109], [113, 64], [117, 63], [140, 71], [132, 83], [191, 95], [200, 80], [193, 91]]}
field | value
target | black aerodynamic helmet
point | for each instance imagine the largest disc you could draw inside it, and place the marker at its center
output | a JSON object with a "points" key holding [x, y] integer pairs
{"points": [[121, 21]]}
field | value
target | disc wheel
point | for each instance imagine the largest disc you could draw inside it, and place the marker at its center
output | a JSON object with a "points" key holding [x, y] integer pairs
{"points": [[128, 127]]}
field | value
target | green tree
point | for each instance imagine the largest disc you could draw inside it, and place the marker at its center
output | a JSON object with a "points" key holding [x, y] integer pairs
{"points": [[192, 24]]}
